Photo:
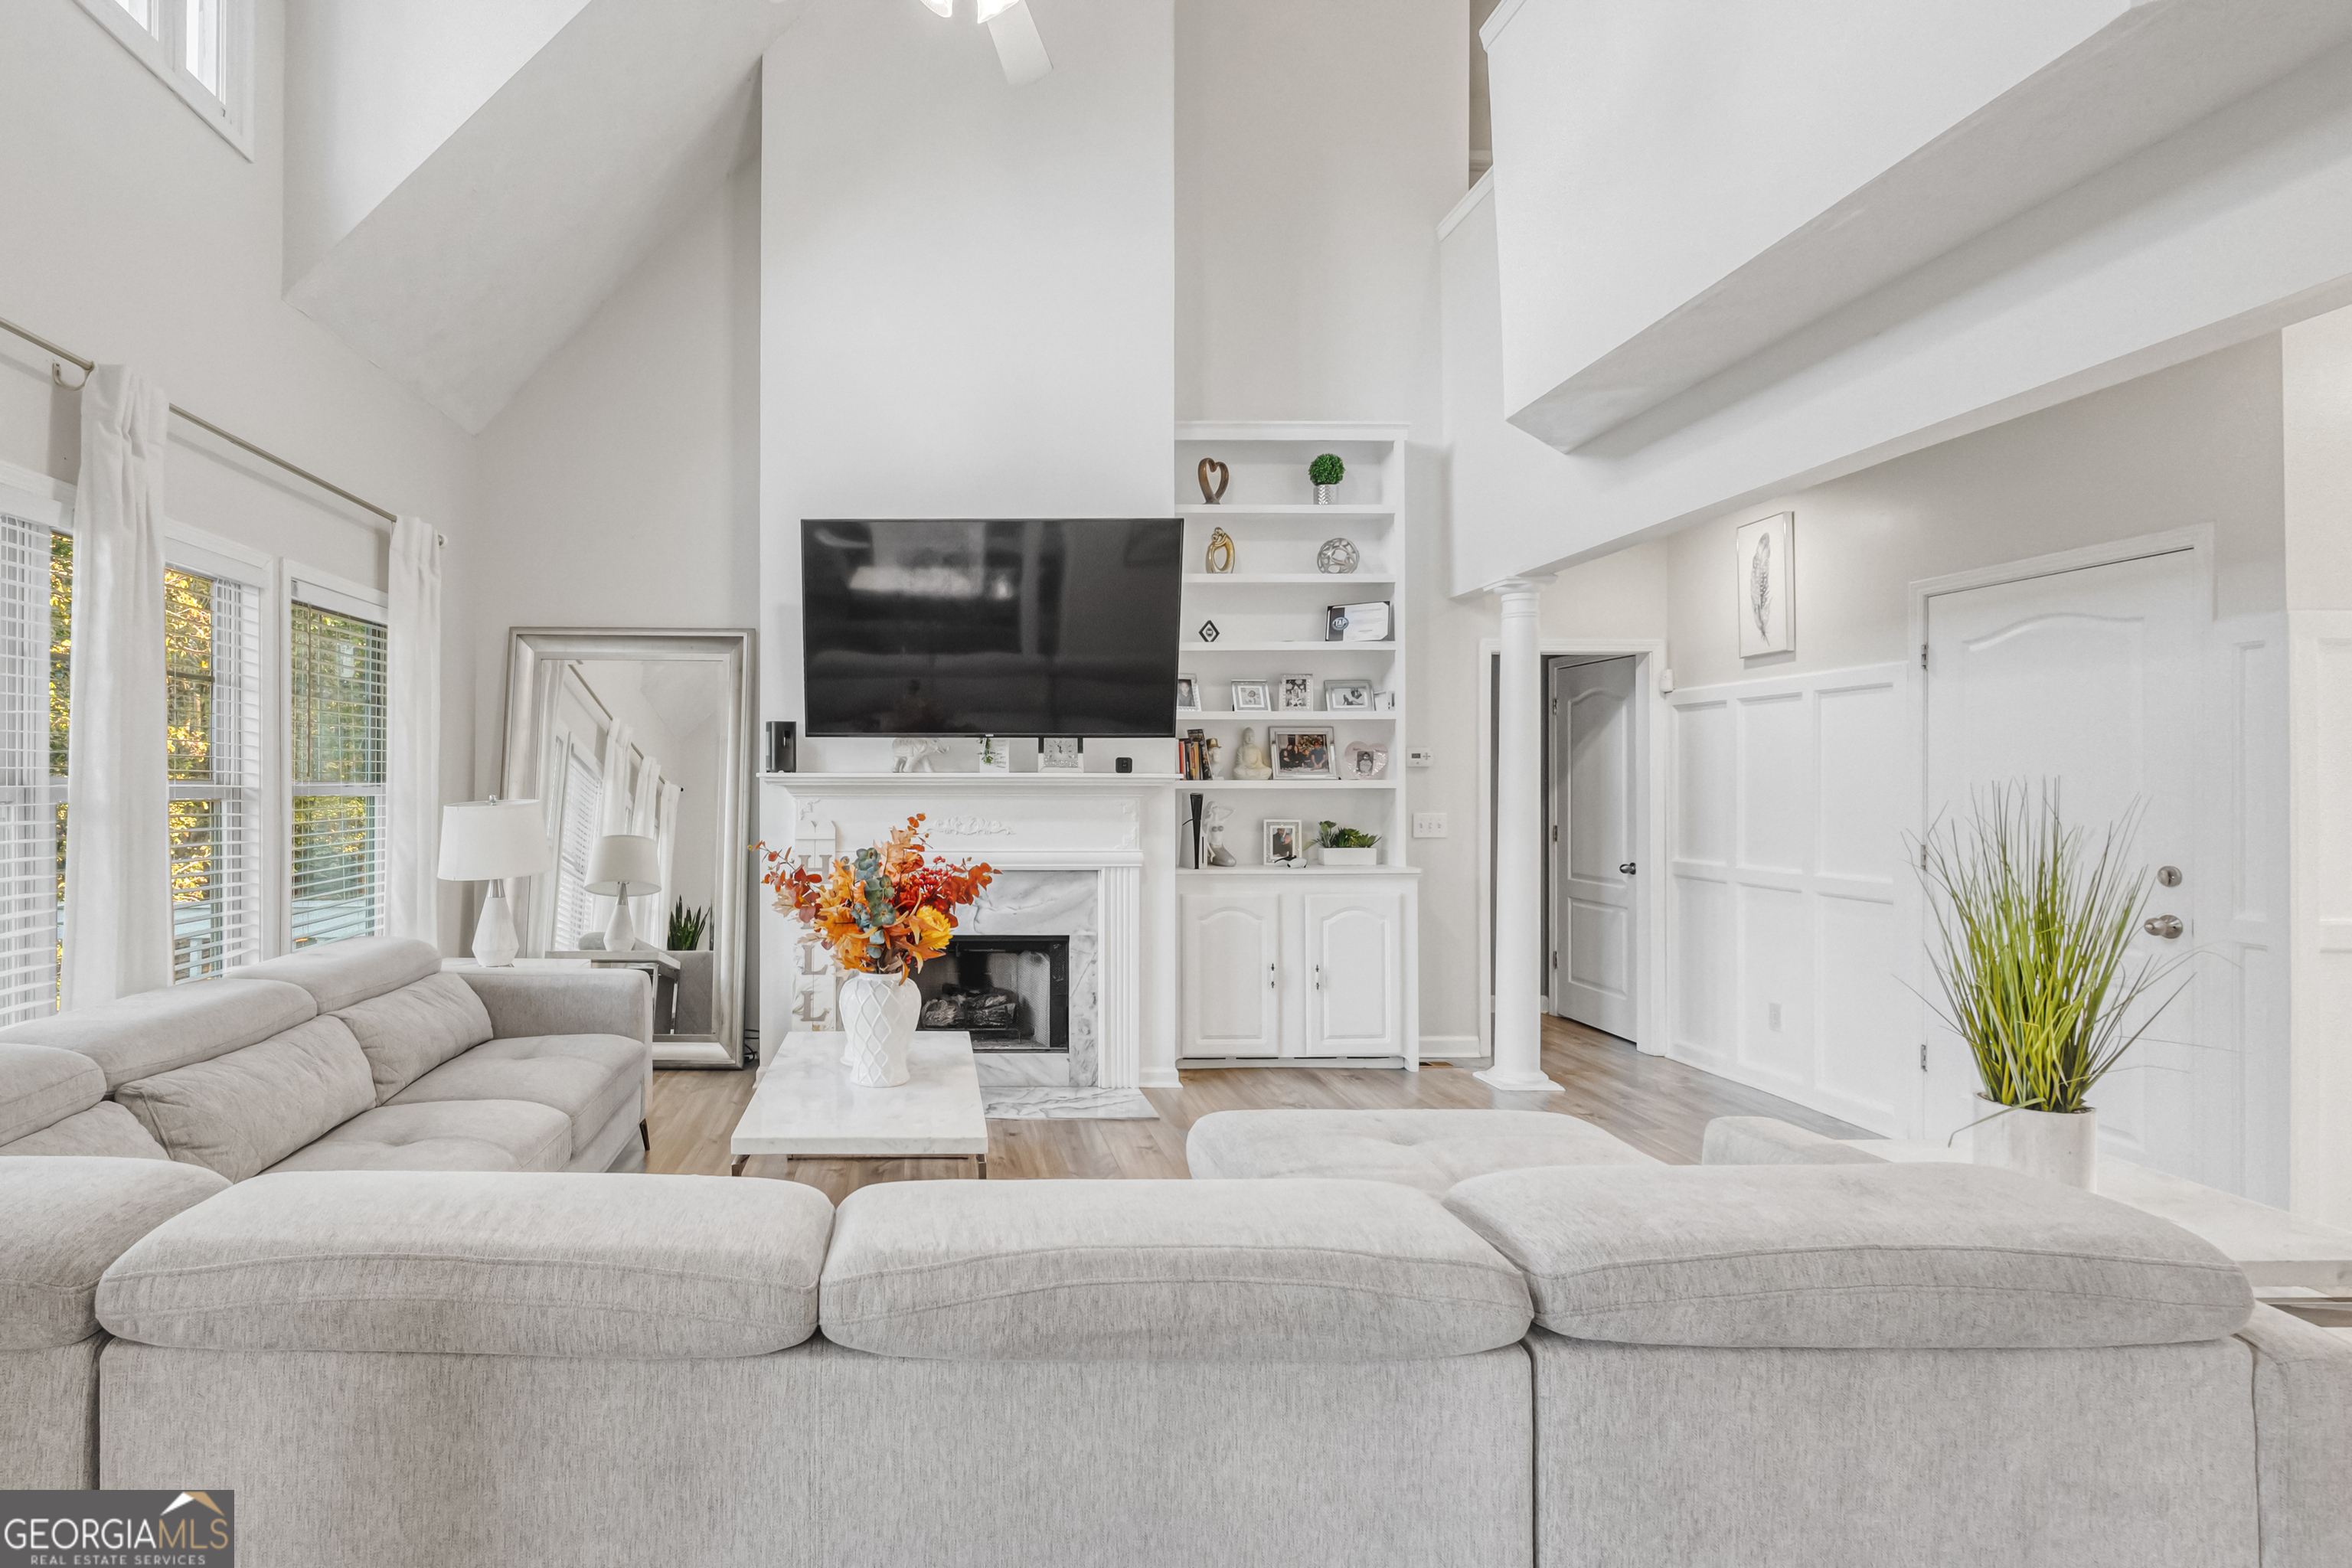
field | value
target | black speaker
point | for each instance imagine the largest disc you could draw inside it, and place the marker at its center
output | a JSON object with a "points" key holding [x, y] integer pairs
{"points": [[783, 751]]}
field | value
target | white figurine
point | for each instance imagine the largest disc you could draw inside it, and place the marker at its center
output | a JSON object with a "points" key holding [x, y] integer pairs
{"points": [[1250, 762], [914, 753], [1214, 814]]}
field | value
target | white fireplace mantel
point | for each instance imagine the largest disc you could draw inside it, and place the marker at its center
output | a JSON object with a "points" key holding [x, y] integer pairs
{"points": [[1120, 826]]}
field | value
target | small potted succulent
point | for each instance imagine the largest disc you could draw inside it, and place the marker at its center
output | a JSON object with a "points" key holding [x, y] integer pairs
{"points": [[1325, 473], [1336, 846]]}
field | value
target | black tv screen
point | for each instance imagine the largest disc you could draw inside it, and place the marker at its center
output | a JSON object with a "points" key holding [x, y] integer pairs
{"points": [[991, 626]]}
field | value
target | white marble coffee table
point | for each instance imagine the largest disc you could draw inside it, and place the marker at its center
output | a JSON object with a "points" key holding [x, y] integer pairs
{"points": [[804, 1105]]}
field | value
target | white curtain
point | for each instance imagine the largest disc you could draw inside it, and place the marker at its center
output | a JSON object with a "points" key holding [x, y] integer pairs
{"points": [[613, 815], [118, 829], [412, 828]]}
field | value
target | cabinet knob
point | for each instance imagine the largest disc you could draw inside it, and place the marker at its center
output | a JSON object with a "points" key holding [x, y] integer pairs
{"points": [[1269, 977]]}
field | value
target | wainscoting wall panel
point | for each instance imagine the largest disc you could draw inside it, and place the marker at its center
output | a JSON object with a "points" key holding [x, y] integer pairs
{"points": [[1787, 841]]}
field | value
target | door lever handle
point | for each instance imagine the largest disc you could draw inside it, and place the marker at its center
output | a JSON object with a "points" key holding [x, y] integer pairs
{"points": [[2169, 927]]}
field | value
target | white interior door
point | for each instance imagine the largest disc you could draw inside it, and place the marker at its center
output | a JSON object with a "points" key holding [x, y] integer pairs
{"points": [[2089, 678], [1595, 787]]}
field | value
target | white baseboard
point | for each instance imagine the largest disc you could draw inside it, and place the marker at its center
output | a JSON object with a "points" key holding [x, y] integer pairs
{"points": [[1452, 1048]]}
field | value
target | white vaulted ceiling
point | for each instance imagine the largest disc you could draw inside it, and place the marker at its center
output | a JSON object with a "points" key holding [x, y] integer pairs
{"points": [[456, 224]]}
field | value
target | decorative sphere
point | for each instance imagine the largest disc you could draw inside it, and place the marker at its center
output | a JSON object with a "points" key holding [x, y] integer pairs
{"points": [[1337, 557]]}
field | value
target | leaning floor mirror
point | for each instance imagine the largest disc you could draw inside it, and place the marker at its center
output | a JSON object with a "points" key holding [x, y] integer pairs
{"points": [[638, 745]]}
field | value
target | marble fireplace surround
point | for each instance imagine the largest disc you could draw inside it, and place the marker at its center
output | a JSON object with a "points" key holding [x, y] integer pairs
{"points": [[1052, 840]]}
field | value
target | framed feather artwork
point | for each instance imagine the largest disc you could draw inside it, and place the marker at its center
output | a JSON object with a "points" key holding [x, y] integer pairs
{"points": [[1765, 552]]}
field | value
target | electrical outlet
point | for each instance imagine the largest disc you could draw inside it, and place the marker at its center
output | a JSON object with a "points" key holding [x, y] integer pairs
{"points": [[1772, 1016], [1429, 825], [1421, 757]]}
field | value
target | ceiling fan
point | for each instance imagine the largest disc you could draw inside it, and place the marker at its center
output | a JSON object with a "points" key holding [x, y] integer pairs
{"points": [[1019, 49]]}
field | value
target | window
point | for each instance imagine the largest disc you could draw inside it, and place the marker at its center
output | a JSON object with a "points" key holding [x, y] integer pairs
{"points": [[337, 766], [201, 49], [582, 808], [35, 595], [212, 710]]}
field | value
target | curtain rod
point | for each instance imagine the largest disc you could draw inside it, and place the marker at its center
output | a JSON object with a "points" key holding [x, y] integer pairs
{"points": [[57, 373]]}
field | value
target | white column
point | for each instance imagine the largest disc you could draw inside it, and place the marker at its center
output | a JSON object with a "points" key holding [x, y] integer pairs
{"points": [[1518, 843]]}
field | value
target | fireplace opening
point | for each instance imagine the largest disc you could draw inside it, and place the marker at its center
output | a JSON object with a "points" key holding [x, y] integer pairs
{"points": [[1009, 993]]}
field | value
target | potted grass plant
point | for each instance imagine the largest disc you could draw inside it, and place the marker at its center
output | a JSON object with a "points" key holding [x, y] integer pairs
{"points": [[2033, 955]]}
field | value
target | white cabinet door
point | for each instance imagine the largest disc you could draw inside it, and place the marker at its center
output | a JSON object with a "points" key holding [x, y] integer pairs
{"points": [[1354, 974], [1232, 964]]}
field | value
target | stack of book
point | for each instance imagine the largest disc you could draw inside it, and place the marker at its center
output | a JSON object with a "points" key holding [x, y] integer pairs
{"points": [[1195, 755]]}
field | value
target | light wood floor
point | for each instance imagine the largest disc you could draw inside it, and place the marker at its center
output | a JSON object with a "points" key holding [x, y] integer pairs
{"points": [[1656, 1105]]}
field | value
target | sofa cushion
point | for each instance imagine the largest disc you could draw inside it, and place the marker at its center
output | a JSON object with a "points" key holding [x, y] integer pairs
{"points": [[1430, 1150], [523, 1002], [1764, 1141], [409, 1032], [241, 1114], [1159, 1270], [589, 1077], [338, 973], [62, 1221], [1848, 1257], [105, 1130], [446, 1135], [138, 1037], [41, 1086], [503, 1264]]}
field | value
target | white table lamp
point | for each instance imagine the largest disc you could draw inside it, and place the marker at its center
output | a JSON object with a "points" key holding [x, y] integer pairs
{"points": [[624, 866], [488, 841]]}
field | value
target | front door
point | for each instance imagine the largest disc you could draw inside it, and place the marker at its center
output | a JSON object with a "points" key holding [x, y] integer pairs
{"points": [[2089, 678], [1593, 791]]}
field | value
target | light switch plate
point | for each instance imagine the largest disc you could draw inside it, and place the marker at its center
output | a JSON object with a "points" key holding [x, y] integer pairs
{"points": [[1429, 825], [1420, 757]]}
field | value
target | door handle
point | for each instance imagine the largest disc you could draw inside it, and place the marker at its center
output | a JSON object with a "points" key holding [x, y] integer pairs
{"points": [[2169, 927], [1627, 869]]}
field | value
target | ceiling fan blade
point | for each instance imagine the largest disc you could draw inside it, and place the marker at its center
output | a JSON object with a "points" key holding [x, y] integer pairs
{"points": [[1019, 49]]}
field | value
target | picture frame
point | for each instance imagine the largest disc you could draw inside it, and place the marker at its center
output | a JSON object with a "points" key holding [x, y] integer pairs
{"points": [[1364, 761], [1353, 694], [1296, 694], [1060, 755], [1764, 558], [1302, 753], [1253, 697], [1281, 843], [1188, 694]]}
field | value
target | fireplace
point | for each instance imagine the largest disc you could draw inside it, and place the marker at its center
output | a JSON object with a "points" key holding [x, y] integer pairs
{"points": [[1009, 993]]}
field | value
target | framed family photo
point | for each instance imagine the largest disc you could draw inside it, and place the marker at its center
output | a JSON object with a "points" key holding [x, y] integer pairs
{"points": [[1282, 841], [1297, 694], [1252, 697], [1302, 753], [1188, 694]]}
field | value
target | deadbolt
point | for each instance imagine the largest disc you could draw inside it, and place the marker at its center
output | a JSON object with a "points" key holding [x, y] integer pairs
{"points": [[2170, 876], [2169, 927]]}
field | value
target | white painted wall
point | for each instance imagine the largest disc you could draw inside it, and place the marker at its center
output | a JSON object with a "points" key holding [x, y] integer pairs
{"points": [[373, 90], [2318, 360], [137, 235]]}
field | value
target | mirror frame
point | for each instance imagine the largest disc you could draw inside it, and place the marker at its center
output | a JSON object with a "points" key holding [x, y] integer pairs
{"points": [[535, 658]]}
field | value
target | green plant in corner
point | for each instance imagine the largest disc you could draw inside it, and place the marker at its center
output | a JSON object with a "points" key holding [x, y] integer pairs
{"points": [[1327, 469], [687, 926], [1330, 835], [2032, 949]]}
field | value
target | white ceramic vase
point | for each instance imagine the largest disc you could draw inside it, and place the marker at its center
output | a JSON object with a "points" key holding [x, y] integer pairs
{"points": [[2058, 1146], [879, 1013]]}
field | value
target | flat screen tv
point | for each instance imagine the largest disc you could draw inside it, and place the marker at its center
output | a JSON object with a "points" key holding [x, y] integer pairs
{"points": [[991, 626]]}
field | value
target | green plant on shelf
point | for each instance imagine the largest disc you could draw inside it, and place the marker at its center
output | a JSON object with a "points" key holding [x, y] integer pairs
{"points": [[686, 927], [1332, 835], [1327, 469]]}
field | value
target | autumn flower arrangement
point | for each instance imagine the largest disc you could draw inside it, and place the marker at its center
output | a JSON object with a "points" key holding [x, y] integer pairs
{"points": [[888, 910]]}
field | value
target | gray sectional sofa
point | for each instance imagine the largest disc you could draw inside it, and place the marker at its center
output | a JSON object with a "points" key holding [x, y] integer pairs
{"points": [[1603, 1366], [360, 1056]]}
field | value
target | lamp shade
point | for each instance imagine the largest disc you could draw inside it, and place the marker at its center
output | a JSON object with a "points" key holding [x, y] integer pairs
{"points": [[485, 839], [625, 865]]}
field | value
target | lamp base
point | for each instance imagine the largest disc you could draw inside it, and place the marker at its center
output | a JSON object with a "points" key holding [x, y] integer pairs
{"points": [[494, 935], [620, 932]]}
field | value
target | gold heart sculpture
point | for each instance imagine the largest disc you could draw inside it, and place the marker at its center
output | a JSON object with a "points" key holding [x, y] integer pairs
{"points": [[1210, 465]]}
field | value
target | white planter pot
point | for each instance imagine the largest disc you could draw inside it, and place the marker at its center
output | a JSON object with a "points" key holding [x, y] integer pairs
{"points": [[879, 1013], [2058, 1147], [1323, 856]]}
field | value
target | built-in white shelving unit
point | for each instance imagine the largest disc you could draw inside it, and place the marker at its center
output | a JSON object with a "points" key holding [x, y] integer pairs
{"points": [[1308, 963]]}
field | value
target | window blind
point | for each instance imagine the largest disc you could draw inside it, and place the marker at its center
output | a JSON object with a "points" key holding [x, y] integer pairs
{"points": [[583, 800], [338, 741], [28, 805], [212, 686]]}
